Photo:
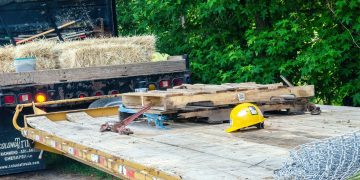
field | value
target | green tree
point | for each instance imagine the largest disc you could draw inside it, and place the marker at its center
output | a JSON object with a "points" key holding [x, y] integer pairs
{"points": [[310, 42]]}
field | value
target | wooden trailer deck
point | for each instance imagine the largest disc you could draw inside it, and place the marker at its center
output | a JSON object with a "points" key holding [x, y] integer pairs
{"points": [[186, 150]]}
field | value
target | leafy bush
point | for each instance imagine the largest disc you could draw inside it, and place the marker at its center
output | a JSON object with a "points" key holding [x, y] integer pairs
{"points": [[310, 42]]}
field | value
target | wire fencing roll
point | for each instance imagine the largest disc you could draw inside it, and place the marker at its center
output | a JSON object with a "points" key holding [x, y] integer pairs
{"points": [[332, 158]]}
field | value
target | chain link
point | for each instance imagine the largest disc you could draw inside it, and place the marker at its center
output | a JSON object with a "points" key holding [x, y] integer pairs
{"points": [[332, 158]]}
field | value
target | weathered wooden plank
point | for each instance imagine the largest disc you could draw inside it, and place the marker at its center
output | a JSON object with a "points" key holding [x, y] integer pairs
{"points": [[227, 87], [91, 73]]}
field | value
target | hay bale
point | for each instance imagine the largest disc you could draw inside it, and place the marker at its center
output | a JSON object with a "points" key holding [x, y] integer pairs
{"points": [[106, 51], [103, 55], [7, 59], [42, 51], [147, 41], [85, 53]]}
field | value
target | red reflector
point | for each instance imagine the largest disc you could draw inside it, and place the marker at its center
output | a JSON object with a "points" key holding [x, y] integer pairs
{"points": [[114, 92], [178, 82], [164, 84], [9, 99], [130, 173], [25, 98], [82, 96], [98, 93]]}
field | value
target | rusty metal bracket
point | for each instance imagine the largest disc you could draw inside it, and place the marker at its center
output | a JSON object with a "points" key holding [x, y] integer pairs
{"points": [[120, 127], [314, 110]]}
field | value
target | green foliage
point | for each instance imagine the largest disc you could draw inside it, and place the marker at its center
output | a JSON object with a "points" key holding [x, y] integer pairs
{"points": [[310, 42]]}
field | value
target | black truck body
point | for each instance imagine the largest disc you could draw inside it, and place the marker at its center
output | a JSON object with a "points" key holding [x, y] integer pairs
{"points": [[23, 18]]}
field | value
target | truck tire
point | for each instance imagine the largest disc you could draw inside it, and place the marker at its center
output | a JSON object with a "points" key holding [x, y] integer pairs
{"points": [[106, 102]]}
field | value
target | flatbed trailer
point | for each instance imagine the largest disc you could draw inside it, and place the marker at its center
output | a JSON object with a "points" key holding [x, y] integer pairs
{"points": [[65, 84], [21, 19], [186, 150]]}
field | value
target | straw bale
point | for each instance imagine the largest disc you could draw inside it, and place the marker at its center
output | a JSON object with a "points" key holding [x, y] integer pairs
{"points": [[103, 55], [85, 53], [6, 59], [42, 51], [147, 42]]}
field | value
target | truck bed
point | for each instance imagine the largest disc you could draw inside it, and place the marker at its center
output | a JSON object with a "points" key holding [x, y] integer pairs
{"points": [[52, 76], [188, 150]]}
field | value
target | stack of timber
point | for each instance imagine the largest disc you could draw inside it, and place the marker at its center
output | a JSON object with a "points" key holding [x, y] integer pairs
{"points": [[216, 101]]}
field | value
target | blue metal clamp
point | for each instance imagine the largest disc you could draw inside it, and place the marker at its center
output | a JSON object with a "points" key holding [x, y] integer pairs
{"points": [[158, 119]]}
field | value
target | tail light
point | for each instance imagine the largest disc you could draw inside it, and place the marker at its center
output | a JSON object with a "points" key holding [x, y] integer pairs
{"points": [[164, 84], [40, 97], [23, 98], [82, 95], [178, 81], [98, 93], [114, 92], [152, 87], [9, 99]]}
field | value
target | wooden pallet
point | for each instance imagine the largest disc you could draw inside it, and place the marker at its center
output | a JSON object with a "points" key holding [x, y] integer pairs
{"points": [[217, 115], [212, 95]]}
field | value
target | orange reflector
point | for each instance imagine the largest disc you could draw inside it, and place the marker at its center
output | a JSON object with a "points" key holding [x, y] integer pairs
{"points": [[152, 87], [40, 97]]}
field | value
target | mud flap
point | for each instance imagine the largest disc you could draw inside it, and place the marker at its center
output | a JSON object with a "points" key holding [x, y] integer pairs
{"points": [[16, 152]]}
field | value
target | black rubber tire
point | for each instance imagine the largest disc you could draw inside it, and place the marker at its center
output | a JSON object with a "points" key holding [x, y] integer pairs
{"points": [[260, 125], [106, 102]]}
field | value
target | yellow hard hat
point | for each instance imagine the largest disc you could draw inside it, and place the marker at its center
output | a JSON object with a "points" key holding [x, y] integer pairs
{"points": [[245, 115]]}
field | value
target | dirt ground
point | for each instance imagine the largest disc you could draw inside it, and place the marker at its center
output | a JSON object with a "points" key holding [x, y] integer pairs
{"points": [[46, 175]]}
